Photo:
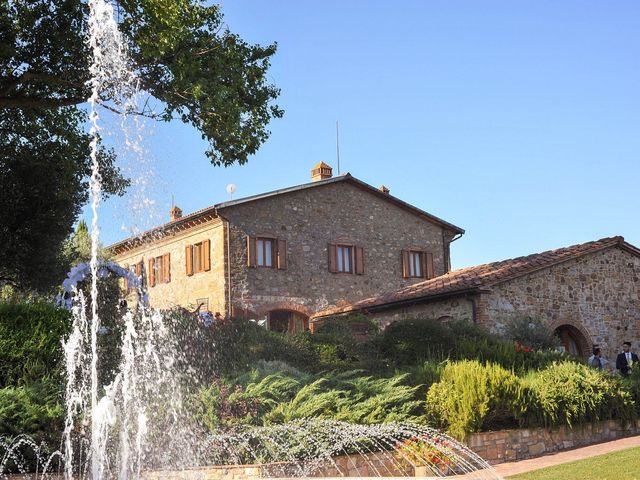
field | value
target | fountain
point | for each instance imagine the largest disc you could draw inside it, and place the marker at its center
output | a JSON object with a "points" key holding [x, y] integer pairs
{"points": [[134, 424]]}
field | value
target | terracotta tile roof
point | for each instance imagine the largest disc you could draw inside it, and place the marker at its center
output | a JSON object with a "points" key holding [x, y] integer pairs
{"points": [[480, 277]]}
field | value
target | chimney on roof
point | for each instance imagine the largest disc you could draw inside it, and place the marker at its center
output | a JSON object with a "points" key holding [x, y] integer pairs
{"points": [[321, 171], [384, 189], [175, 213]]}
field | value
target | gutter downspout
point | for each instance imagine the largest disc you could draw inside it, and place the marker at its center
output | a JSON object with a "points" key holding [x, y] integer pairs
{"points": [[447, 250]]}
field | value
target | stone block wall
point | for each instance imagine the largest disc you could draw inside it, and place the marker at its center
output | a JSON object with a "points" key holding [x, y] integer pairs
{"points": [[185, 290], [598, 294], [458, 308], [511, 445], [309, 220]]}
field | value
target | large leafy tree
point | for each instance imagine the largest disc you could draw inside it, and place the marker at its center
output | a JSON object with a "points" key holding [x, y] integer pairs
{"points": [[187, 60], [190, 65]]}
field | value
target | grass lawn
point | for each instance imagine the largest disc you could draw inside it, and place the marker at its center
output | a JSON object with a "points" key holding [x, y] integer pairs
{"points": [[623, 465]]}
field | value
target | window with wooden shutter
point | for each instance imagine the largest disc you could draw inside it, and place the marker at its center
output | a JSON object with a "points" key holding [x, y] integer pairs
{"points": [[417, 264], [251, 251], [429, 269], [188, 255], [166, 268], [266, 251], [282, 254], [359, 260], [151, 273], [405, 263], [345, 258], [333, 258], [206, 255]]}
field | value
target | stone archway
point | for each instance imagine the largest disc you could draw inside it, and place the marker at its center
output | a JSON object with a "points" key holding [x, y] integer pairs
{"points": [[573, 339]]}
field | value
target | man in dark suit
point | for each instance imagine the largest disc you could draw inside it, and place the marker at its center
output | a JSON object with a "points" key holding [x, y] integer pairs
{"points": [[626, 360]]}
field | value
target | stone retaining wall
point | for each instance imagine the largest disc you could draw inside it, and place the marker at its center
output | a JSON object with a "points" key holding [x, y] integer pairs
{"points": [[510, 445]]}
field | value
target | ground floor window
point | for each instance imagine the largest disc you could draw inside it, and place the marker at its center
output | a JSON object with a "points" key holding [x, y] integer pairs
{"points": [[572, 340], [286, 321]]}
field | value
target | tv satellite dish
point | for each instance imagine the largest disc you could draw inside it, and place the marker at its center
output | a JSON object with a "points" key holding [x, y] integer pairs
{"points": [[231, 188]]}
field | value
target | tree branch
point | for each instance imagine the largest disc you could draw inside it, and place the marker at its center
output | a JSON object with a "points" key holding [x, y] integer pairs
{"points": [[39, 102]]}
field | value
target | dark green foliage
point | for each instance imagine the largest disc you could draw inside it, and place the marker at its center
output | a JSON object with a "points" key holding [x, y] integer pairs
{"points": [[30, 348], [262, 398], [35, 410], [571, 393], [44, 171], [186, 57], [410, 342], [530, 331]]}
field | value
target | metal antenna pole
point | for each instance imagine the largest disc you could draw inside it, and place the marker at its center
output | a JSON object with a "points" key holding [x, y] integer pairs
{"points": [[338, 145]]}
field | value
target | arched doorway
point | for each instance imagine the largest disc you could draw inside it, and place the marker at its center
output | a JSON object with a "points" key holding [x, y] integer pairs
{"points": [[572, 340], [287, 321]]}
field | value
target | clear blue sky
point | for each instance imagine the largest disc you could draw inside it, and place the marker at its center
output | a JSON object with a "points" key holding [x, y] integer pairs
{"points": [[517, 121]]}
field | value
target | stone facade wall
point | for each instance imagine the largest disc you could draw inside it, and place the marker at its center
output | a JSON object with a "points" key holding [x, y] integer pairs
{"points": [[511, 445], [459, 308], [598, 294], [184, 290], [309, 220]]}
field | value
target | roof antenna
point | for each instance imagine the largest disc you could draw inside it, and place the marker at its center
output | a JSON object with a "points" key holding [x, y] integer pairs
{"points": [[173, 203], [338, 145]]}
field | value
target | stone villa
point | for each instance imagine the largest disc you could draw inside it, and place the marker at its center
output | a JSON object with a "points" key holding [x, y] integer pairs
{"points": [[337, 245]]}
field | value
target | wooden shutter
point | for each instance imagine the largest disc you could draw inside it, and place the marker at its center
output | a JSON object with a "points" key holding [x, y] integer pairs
{"points": [[430, 272], [333, 258], [188, 255], [206, 255], [251, 251], [151, 274], [138, 269], [405, 263], [282, 254], [423, 265], [166, 267], [359, 260]]}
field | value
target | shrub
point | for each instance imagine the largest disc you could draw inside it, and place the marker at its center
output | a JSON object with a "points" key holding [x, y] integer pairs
{"points": [[530, 331], [34, 410], [571, 393], [471, 396], [410, 342], [30, 335]]}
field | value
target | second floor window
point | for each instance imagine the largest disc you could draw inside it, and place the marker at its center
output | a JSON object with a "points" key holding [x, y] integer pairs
{"points": [[159, 270], [416, 260], [198, 257], [344, 254], [264, 252], [345, 258], [417, 264]]}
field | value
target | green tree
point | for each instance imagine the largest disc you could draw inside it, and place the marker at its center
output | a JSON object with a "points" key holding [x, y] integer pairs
{"points": [[187, 60], [193, 68], [44, 169]]}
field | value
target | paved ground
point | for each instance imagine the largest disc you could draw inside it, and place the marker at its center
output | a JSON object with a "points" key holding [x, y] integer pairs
{"points": [[513, 468]]}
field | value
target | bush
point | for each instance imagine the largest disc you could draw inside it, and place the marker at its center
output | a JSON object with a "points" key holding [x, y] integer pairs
{"points": [[471, 396], [571, 393], [274, 398], [34, 410], [531, 332], [411, 342], [30, 341]]}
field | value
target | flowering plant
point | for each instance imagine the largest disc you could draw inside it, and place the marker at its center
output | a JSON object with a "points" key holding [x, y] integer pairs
{"points": [[434, 453]]}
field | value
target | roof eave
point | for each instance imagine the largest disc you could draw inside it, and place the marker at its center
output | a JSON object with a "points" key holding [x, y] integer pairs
{"points": [[405, 302]]}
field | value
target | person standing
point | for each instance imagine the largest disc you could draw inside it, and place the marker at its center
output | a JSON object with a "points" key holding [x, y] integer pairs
{"points": [[596, 360], [626, 360]]}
